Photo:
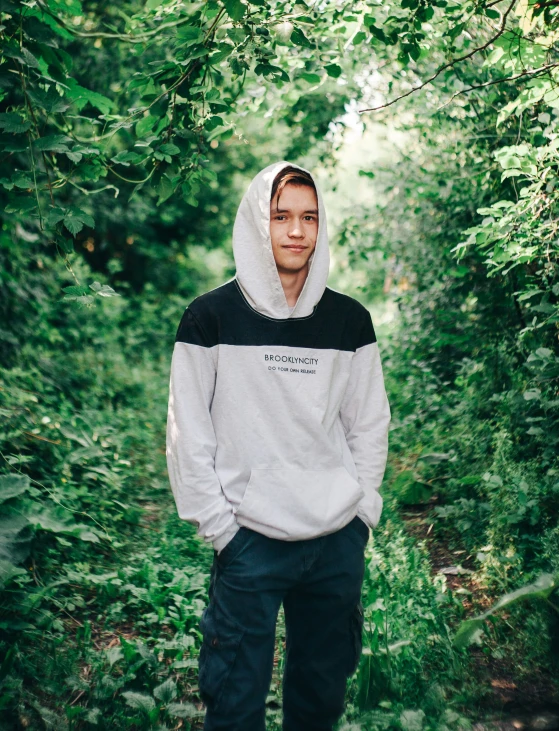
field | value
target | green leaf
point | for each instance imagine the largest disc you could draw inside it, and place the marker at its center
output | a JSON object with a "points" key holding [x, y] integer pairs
{"points": [[15, 540], [311, 78], [21, 180], [129, 649], [544, 585], [512, 173], [223, 132], [67, 246], [333, 70], [127, 157], [414, 51], [81, 96], [494, 57], [114, 654], [14, 123], [50, 100], [435, 457], [50, 523], [74, 225], [237, 35], [12, 50], [52, 143], [15, 144], [377, 33], [184, 710], [466, 632], [300, 39], [8, 571], [170, 149], [103, 290], [29, 58], [75, 219], [76, 289], [545, 307], [213, 122], [409, 490], [223, 50], [85, 300], [22, 203], [266, 69], [145, 125], [12, 485], [139, 701], [235, 9], [165, 188], [166, 692], [198, 52], [190, 34]]}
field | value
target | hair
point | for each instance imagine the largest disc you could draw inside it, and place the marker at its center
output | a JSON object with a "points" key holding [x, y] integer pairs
{"points": [[291, 176]]}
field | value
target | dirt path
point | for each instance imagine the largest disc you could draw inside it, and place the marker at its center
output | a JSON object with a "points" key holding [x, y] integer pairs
{"points": [[513, 701]]}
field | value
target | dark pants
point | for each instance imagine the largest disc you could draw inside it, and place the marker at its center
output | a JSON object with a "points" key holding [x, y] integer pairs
{"points": [[319, 582]]}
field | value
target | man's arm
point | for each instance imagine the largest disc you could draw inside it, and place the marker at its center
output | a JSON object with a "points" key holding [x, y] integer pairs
{"points": [[191, 440], [365, 415]]}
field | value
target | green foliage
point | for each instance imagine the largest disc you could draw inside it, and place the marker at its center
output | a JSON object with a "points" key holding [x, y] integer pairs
{"points": [[136, 111], [409, 671], [404, 628], [542, 588], [464, 213]]}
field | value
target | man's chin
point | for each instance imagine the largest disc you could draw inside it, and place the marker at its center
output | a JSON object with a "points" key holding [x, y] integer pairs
{"points": [[291, 268]]}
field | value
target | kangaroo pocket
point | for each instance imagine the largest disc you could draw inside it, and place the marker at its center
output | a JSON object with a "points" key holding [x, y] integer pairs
{"points": [[296, 504]]}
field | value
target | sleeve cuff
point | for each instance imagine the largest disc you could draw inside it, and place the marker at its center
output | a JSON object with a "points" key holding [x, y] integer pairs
{"points": [[364, 518]]}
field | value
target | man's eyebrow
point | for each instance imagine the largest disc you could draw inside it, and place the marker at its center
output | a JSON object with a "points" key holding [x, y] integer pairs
{"points": [[288, 210]]}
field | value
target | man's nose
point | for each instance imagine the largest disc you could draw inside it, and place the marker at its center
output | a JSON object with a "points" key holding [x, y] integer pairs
{"points": [[296, 232]]}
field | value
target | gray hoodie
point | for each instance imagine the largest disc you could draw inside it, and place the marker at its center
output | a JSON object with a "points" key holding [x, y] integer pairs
{"points": [[278, 418]]}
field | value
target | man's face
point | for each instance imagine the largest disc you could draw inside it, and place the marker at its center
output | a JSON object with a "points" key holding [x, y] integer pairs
{"points": [[293, 227]]}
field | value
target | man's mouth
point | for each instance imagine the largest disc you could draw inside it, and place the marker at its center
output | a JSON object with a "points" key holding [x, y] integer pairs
{"points": [[295, 248]]}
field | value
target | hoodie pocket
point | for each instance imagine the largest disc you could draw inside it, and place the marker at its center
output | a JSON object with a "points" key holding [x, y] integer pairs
{"points": [[297, 504]]}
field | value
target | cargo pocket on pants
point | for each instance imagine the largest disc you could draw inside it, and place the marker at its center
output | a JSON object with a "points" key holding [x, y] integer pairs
{"points": [[356, 634], [218, 652]]}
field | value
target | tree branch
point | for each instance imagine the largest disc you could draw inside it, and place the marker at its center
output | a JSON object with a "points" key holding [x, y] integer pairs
{"points": [[450, 64], [120, 36], [541, 69]]}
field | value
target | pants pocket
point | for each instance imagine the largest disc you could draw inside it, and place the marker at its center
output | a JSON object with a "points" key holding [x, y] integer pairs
{"points": [[362, 527], [230, 550], [218, 652], [358, 532], [356, 634]]}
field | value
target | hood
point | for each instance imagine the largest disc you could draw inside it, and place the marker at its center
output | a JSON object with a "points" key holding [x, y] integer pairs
{"points": [[257, 273]]}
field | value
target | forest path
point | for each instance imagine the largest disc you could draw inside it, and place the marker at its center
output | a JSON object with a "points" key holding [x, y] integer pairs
{"points": [[514, 702]]}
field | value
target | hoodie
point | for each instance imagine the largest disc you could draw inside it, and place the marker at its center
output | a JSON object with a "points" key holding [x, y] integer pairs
{"points": [[278, 417]]}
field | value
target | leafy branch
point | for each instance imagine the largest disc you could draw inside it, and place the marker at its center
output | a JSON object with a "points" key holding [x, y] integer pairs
{"points": [[448, 65]]}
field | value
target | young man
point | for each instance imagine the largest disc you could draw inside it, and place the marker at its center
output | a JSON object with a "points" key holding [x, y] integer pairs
{"points": [[277, 441]]}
